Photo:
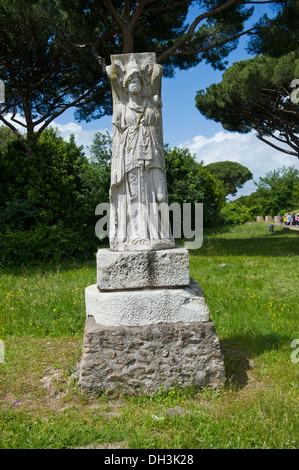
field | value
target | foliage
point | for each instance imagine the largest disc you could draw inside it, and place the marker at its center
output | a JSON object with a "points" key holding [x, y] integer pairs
{"points": [[255, 95], [47, 203], [189, 182], [101, 151], [254, 203], [162, 27], [234, 213], [231, 174], [43, 71], [6, 136], [45, 189], [277, 36], [279, 190], [42, 243], [95, 178]]}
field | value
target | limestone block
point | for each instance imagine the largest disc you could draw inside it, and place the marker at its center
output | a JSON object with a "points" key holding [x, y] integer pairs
{"points": [[146, 306], [134, 270], [144, 358]]}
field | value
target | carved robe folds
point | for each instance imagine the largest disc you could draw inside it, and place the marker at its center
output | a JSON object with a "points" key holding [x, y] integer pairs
{"points": [[138, 193]]}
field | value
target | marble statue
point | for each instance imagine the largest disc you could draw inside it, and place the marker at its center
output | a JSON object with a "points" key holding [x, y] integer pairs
{"points": [[138, 193], [144, 297]]}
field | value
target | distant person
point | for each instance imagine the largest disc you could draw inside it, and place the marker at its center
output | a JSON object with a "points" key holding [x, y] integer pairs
{"points": [[297, 219], [294, 220], [289, 219], [285, 219]]}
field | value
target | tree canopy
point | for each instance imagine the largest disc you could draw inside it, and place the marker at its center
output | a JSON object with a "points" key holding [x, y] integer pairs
{"points": [[231, 174], [277, 36], [50, 51], [255, 95], [44, 73]]}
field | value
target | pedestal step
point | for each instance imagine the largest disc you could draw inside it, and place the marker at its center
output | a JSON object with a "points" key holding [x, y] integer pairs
{"points": [[136, 270], [146, 306]]}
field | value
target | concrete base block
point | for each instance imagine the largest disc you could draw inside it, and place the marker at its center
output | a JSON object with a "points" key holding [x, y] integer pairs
{"points": [[136, 270], [142, 359], [146, 306]]}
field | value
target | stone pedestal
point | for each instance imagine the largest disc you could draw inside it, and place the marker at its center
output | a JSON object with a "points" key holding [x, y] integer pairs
{"points": [[135, 270], [146, 306], [141, 359], [147, 326]]}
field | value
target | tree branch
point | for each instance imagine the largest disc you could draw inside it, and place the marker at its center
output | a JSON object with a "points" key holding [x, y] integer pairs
{"points": [[17, 133], [257, 2], [127, 10], [62, 110], [110, 7], [213, 46], [188, 35], [167, 7], [288, 152]]}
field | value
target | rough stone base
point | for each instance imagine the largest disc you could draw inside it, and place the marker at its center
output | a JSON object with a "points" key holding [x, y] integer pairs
{"points": [[142, 359]]}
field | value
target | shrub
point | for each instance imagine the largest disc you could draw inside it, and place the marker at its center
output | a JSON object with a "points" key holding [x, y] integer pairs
{"points": [[236, 213], [46, 244], [189, 182]]}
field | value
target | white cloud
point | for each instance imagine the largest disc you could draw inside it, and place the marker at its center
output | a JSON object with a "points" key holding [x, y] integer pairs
{"points": [[245, 149], [82, 136]]}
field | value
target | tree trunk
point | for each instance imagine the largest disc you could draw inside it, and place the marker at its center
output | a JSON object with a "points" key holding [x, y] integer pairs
{"points": [[128, 42]]}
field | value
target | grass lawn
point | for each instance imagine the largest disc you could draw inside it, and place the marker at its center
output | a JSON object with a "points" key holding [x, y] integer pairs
{"points": [[250, 279]]}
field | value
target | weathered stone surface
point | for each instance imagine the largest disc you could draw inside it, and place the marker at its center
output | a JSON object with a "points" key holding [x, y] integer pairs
{"points": [[138, 172], [132, 270], [186, 354], [146, 306]]}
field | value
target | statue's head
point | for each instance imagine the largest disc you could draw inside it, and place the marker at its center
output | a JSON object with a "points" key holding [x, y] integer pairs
{"points": [[132, 71]]}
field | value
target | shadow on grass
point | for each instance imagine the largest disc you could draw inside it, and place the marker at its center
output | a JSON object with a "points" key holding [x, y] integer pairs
{"points": [[264, 246], [50, 268], [238, 358]]}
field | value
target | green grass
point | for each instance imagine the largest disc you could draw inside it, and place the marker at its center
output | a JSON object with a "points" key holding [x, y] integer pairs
{"points": [[253, 302], [44, 301]]}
